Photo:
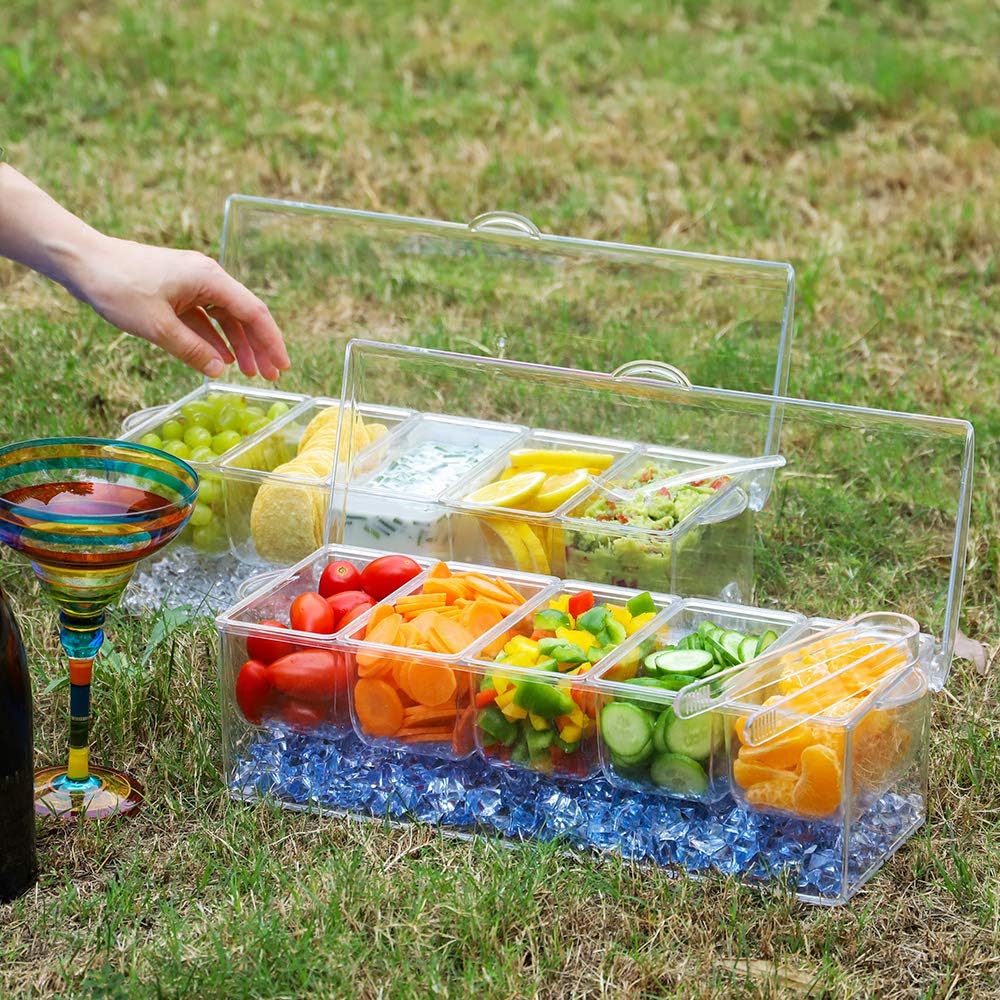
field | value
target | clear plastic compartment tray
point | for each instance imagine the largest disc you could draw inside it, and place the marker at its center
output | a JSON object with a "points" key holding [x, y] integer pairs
{"points": [[544, 719], [277, 486], [397, 505], [643, 745], [408, 697], [548, 471]]}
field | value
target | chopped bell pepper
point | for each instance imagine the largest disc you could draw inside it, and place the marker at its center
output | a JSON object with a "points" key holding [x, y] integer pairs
{"points": [[537, 721], [551, 619], [621, 615], [486, 697], [577, 637], [545, 700], [580, 603], [641, 604], [639, 621]]}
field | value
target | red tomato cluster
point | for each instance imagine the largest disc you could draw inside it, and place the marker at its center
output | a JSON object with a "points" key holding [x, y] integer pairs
{"points": [[306, 686]]}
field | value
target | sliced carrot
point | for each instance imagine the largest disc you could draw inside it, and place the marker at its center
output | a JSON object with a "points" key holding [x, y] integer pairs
{"points": [[452, 589], [385, 632], [425, 735], [416, 603], [495, 589], [439, 572], [482, 616], [451, 635], [420, 715], [398, 668], [429, 683], [374, 666], [379, 709], [493, 649], [379, 614]]}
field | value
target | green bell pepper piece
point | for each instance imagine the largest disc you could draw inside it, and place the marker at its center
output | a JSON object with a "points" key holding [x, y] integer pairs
{"points": [[594, 620], [545, 700], [549, 619], [641, 604]]}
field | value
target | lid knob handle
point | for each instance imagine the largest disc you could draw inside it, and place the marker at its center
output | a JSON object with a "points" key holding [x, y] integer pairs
{"points": [[505, 223], [653, 369]]}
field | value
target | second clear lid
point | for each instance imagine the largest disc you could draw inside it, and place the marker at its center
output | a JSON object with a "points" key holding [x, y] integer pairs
{"points": [[869, 512]]}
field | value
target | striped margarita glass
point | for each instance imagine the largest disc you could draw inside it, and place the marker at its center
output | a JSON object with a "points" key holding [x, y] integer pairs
{"points": [[85, 511]]}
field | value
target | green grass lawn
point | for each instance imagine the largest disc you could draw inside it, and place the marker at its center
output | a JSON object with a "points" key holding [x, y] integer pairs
{"points": [[857, 141]]}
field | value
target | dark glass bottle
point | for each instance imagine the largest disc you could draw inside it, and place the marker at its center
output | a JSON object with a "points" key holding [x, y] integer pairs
{"points": [[18, 867]]}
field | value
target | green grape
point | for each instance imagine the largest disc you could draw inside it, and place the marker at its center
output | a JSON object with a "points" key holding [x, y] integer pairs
{"points": [[249, 415], [277, 410], [199, 412], [198, 437], [172, 430], [228, 418], [224, 441], [204, 454], [209, 537], [202, 514], [177, 448], [151, 441], [255, 425], [210, 490]]}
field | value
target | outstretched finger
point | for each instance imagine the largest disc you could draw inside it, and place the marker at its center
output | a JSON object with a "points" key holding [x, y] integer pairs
{"points": [[235, 334], [187, 345], [198, 320], [261, 330]]}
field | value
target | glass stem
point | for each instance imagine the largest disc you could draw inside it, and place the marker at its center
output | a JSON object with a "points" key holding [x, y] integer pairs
{"points": [[81, 636]]}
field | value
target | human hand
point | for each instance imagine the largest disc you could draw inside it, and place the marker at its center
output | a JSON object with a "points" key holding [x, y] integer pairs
{"points": [[166, 297]]}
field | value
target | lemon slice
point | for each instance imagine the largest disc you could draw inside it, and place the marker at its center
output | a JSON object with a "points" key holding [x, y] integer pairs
{"points": [[508, 492], [556, 490], [534, 548], [568, 460], [512, 550]]}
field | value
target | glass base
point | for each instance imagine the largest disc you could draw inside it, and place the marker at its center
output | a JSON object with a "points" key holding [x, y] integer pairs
{"points": [[106, 792]]}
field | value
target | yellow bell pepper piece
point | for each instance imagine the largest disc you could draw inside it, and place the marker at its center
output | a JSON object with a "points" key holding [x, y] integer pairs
{"points": [[576, 716], [514, 712], [571, 733], [503, 700], [522, 659], [501, 684], [577, 636], [521, 645], [537, 722], [639, 621], [620, 614], [560, 604]]}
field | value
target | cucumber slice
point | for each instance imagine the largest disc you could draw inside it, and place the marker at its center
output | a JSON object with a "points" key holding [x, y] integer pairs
{"points": [[719, 652], [626, 728], [707, 628], [748, 648], [678, 773], [767, 639], [660, 731], [683, 661], [630, 761], [731, 643], [697, 737]]}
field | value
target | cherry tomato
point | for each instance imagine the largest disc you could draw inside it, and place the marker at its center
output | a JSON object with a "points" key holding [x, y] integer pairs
{"points": [[265, 649], [301, 716], [310, 613], [338, 577], [356, 612], [309, 675], [253, 690], [581, 603], [388, 573], [340, 604]]}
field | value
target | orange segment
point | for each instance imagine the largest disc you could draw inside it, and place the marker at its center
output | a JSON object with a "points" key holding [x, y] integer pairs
{"points": [[818, 791], [747, 773]]}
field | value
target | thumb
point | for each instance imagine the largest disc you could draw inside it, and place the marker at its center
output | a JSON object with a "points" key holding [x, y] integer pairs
{"points": [[180, 340]]}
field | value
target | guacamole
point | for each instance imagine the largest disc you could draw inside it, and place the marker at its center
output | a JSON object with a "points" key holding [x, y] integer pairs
{"points": [[631, 543]]}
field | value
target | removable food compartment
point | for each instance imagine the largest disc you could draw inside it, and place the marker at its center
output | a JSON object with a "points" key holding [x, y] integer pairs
{"points": [[694, 538], [829, 723], [412, 685], [277, 487], [643, 744], [506, 512], [204, 428], [397, 506], [274, 674], [532, 711]]}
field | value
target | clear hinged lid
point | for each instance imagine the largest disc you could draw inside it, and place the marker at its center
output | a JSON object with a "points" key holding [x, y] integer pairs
{"points": [[869, 511], [497, 286]]}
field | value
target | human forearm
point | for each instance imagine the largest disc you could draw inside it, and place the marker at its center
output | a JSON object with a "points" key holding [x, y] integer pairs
{"points": [[38, 232], [158, 294]]}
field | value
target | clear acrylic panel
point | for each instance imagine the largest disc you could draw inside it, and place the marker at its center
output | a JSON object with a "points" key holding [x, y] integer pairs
{"points": [[497, 286], [869, 513]]}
